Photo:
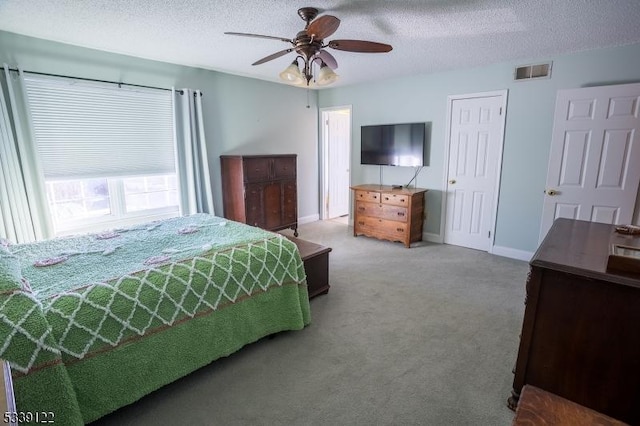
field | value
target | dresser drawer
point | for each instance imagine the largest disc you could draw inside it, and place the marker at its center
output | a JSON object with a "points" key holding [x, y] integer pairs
{"points": [[289, 202], [373, 197], [395, 199], [381, 211], [257, 169], [284, 168], [374, 226]]}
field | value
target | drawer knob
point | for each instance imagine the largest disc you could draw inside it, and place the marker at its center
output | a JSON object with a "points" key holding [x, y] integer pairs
{"points": [[399, 229], [400, 213], [361, 209], [360, 223]]}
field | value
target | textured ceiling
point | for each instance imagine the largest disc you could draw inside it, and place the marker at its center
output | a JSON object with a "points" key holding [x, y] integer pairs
{"points": [[427, 36]]}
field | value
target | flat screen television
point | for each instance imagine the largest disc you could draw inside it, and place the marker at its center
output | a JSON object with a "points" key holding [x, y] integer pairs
{"points": [[393, 144]]}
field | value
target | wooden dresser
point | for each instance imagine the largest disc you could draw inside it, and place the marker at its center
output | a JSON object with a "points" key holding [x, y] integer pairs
{"points": [[390, 214], [260, 190], [581, 331]]}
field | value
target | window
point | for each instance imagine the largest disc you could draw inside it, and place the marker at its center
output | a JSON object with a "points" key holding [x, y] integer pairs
{"points": [[70, 200], [150, 192], [93, 204], [107, 153]]}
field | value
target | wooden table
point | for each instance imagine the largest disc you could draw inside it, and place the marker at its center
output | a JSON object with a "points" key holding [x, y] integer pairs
{"points": [[316, 264], [538, 407]]}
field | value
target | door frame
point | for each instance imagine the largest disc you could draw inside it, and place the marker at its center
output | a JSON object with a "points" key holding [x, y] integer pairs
{"points": [[494, 211], [324, 154]]}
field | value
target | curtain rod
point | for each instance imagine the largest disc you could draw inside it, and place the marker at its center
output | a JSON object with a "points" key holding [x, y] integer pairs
{"points": [[119, 83]]}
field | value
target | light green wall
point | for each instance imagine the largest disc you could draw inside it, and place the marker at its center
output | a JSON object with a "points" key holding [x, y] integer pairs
{"points": [[529, 123], [253, 116], [241, 114]]}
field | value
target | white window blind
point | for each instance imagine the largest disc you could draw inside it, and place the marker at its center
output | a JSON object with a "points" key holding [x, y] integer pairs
{"points": [[88, 129]]}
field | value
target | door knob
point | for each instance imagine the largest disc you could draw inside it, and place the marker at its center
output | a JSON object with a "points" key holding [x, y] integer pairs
{"points": [[551, 192], [452, 181]]}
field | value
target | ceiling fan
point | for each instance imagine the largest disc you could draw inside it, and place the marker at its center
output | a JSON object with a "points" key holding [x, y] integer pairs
{"points": [[310, 46]]}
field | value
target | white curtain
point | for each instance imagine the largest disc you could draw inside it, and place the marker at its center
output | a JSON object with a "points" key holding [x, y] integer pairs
{"points": [[24, 214], [191, 153]]}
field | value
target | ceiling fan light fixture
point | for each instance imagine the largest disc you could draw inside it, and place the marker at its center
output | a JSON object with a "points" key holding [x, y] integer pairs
{"points": [[325, 75], [309, 44], [292, 74]]}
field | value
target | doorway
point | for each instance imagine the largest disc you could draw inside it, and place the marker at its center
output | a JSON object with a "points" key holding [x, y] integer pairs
{"points": [[593, 170], [336, 154], [475, 133]]}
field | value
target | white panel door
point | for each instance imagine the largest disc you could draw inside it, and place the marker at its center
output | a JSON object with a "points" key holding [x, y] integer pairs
{"points": [[338, 144], [594, 162], [475, 150]]}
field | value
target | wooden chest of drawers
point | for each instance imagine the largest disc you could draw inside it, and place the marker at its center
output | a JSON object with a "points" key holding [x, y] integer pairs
{"points": [[389, 214], [580, 337], [260, 190]]}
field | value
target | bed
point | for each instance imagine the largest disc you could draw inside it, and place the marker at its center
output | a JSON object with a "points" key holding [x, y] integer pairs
{"points": [[92, 323]]}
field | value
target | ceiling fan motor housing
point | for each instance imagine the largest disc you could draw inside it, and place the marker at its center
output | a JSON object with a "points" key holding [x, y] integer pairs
{"points": [[306, 46]]}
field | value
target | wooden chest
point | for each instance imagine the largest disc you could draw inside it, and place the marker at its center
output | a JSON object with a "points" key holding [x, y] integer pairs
{"points": [[316, 265]]}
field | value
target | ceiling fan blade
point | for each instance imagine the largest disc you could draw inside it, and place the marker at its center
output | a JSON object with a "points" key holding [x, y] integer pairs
{"points": [[328, 59], [359, 46], [273, 56], [288, 40], [323, 27]]}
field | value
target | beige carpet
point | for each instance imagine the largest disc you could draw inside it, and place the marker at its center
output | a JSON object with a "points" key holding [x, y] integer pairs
{"points": [[420, 336]]}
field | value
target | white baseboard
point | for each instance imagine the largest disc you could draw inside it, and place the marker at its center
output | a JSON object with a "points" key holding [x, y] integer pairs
{"points": [[512, 253], [308, 219], [497, 250], [432, 238]]}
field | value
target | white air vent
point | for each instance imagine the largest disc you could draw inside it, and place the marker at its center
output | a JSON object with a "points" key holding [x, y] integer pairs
{"points": [[530, 72]]}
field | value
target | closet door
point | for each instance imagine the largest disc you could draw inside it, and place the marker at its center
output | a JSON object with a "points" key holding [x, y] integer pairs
{"points": [[594, 163]]}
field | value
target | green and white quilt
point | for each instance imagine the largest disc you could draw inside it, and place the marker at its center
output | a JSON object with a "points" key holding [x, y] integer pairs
{"points": [[94, 322]]}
